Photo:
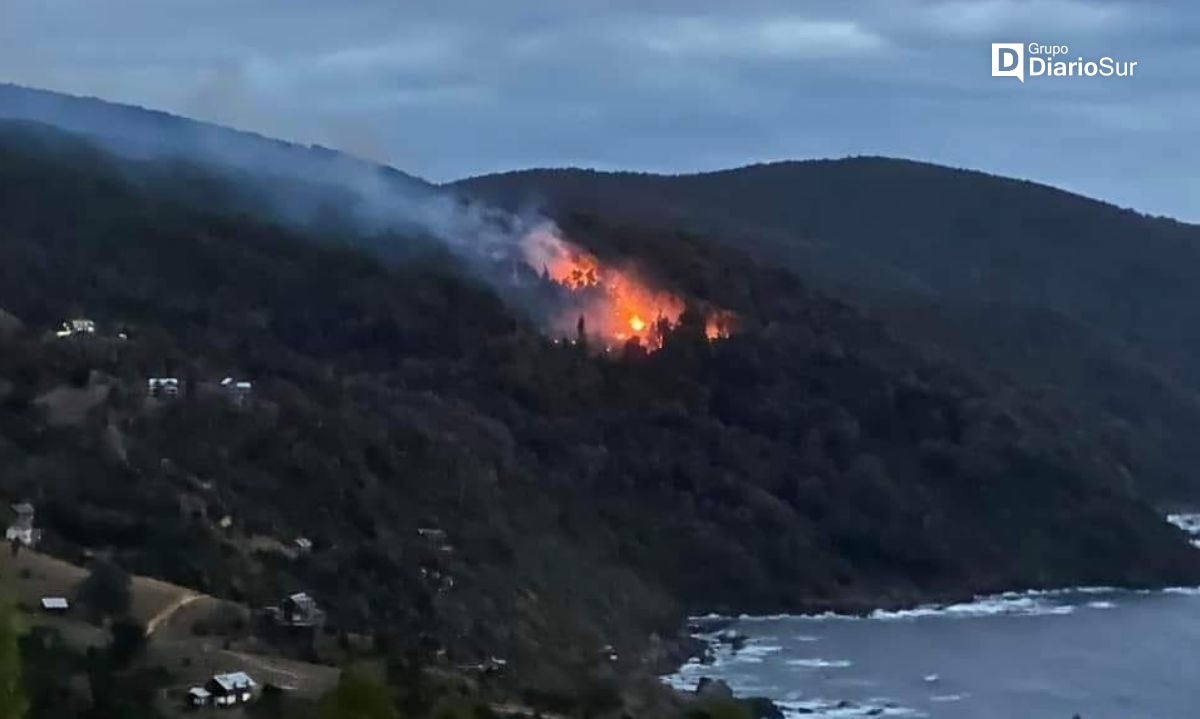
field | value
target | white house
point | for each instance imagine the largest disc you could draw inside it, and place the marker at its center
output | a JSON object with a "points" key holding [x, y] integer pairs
{"points": [[22, 531], [230, 689], [79, 326], [300, 610], [237, 390], [163, 386], [199, 697]]}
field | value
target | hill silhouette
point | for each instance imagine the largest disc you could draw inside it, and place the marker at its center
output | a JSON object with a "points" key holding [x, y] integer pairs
{"points": [[1093, 305]]}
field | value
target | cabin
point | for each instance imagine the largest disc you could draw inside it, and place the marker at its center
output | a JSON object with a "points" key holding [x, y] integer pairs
{"points": [[435, 537], [163, 387], [303, 545], [489, 666], [237, 391], [22, 531], [75, 328], [199, 697], [300, 610], [433, 534], [230, 689]]}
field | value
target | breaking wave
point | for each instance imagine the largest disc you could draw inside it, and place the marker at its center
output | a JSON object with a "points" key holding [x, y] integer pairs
{"points": [[819, 663], [829, 709]]}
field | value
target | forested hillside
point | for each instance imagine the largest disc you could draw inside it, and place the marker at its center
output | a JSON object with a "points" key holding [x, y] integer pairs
{"points": [[1093, 306], [581, 499], [807, 460]]}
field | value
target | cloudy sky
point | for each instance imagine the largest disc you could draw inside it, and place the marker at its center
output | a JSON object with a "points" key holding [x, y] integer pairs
{"points": [[462, 87]]}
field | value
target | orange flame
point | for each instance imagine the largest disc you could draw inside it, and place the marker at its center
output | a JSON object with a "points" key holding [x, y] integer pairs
{"points": [[718, 325], [615, 304]]}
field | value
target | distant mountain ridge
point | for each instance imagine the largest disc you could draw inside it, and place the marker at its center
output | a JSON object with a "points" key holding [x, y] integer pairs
{"points": [[142, 132], [1095, 303]]}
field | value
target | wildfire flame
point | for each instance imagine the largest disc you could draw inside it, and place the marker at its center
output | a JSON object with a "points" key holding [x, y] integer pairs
{"points": [[614, 303]]}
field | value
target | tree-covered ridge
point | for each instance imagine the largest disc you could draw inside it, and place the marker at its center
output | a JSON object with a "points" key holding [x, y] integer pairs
{"points": [[1093, 305], [809, 461]]}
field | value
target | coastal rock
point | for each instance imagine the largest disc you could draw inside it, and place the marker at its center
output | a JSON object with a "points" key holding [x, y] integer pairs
{"points": [[734, 640], [713, 689], [764, 708]]}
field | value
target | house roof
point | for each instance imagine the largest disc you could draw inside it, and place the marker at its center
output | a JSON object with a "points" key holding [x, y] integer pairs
{"points": [[55, 603], [234, 681], [199, 692]]}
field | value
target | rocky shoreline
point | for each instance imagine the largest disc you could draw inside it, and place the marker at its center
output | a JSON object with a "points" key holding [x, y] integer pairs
{"points": [[703, 639]]}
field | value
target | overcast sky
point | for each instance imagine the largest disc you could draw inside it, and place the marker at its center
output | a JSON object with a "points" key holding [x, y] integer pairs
{"points": [[462, 87]]}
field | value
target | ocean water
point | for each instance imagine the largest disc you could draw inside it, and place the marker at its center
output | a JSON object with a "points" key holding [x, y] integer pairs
{"points": [[1099, 653]]}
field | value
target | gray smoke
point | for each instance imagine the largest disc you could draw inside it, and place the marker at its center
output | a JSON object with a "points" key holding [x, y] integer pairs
{"points": [[301, 185]]}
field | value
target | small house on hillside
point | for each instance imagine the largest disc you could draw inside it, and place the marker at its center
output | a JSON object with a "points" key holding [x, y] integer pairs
{"points": [[433, 534], [75, 328], [163, 387], [22, 531], [296, 610], [435, 537], [491, 665], [237, 391], [300, 610], [223, 690], [199, 697]]}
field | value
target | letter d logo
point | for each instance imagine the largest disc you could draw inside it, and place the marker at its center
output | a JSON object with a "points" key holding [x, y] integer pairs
{"points": [[1008, 60]]}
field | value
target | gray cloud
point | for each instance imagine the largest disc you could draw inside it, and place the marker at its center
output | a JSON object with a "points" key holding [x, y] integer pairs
{"points": [[472, 86]]}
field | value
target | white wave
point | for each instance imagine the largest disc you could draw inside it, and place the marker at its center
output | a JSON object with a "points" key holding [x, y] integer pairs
{"points": [[1101, 605], [1061, 591], [826, 709], [1031, 602], [762, 617], [1019, 605], [1187, 521], [819, 663], [753, 649], [681, 683], [946, 698], [806, 638]]}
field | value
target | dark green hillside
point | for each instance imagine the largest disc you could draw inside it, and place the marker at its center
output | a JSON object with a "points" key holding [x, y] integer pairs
{"points": [[1094, 306], [809, 461]]}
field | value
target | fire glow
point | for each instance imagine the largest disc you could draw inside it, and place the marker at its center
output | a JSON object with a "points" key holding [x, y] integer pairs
{"points": [[614, 303]]}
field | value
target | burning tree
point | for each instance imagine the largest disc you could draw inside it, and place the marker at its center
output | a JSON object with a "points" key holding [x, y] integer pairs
{"points": [[615, 304]]}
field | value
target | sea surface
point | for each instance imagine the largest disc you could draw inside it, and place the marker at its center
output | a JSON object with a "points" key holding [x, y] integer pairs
{"points": [[1100, 653]]}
